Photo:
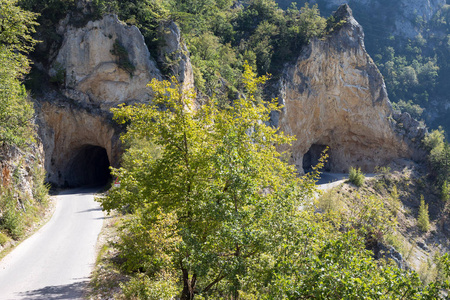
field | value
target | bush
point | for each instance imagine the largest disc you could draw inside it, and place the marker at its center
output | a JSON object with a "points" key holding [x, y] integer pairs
{"points": [[3, 238], [122, 57], [423, 220], [11, 220], [144, 288], [356, 177], [445, 191]]}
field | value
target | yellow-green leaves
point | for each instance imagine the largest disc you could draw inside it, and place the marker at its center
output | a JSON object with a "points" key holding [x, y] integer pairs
{"points": [[16, 111]]}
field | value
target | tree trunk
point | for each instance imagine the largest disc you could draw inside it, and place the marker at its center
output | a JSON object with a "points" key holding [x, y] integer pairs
{"points": [[188, 286]]}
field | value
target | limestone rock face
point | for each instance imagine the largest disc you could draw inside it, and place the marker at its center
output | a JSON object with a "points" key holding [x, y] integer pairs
{"points": [[335, 96], [17, 169], [175, 56], [67, 131], [92, 73], [99, 66]]}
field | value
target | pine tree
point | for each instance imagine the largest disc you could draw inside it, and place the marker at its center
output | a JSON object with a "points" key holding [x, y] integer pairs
{"points": [[423, 220], [445, 196]]}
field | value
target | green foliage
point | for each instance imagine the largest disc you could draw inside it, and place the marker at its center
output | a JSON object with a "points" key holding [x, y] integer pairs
{"points": [[276, 36], [40, 188], [122, 57], [439, 155], [11, 219], [445, 192], [423, 219], [144, 288], [413, 109], [356, 177], [415, 69], [16, 111], [215, 211], [60, 74], [3, 239], [218, 174]]}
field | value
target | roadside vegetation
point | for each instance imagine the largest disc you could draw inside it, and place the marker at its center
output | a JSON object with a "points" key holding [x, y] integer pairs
{"points": [[19, 210]]}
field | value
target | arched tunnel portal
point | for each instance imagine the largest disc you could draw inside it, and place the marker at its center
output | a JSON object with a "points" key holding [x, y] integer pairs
{"points": [[88, 166], [312, 157]]}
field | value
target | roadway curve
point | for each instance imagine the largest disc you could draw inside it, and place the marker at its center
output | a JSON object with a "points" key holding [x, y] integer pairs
{"points": [[56, 262]]}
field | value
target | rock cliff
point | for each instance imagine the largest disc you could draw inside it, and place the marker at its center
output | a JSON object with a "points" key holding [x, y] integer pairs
{"points": [[20, 169], [335, 96], [99, 66], [104, 63]]}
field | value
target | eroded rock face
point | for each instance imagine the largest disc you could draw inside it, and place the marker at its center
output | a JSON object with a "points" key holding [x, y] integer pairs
{"points": [[335, 96], [174, 54], [18, 167], [99, 66], [68, 132], [92, 73]]}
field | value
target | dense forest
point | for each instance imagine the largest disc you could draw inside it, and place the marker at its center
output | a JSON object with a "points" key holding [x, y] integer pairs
{"points": [[210, 209]]}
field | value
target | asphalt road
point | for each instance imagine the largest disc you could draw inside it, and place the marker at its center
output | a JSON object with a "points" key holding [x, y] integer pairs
{"points": [[56, 262]]}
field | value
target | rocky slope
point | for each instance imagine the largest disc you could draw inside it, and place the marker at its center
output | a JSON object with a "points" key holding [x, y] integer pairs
{"points": [[335, 96]]}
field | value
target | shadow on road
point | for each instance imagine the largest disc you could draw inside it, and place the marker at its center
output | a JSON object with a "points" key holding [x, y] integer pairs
{"points": [[68, 291], [326, 177], [89, 210]]}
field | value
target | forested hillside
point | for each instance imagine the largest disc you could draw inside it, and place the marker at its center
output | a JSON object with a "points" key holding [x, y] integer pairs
{"points": [[413, 61]]}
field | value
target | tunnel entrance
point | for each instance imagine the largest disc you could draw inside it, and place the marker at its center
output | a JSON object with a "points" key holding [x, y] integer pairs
{"points": [[311, 158], [88, 167]]}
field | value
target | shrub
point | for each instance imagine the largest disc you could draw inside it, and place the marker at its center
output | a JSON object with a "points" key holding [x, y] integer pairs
{"points": [[3, 238], [356, 177], [445, 191], [145, 288], [423, 220], [122, 55], [11, 220], [40, 188]]}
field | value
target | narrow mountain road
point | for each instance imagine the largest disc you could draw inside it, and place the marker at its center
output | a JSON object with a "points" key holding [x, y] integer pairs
{"points": [[56, 262]]}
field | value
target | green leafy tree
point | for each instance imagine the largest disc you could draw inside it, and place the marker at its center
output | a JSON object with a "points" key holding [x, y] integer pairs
{"points": [[16, 111], [439, 155], [218, 173]]}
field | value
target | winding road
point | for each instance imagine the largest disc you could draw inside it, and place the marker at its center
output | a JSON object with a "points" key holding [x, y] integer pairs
{"points": [[56, 262]]}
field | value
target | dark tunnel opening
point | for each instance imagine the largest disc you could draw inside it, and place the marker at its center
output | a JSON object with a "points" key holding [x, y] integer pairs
{"points": [[311, 158], [89, 167]]}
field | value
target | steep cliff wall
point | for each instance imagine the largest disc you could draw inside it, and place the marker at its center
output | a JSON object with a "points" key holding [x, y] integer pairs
{"points": [[99, 66], [335, 96]]}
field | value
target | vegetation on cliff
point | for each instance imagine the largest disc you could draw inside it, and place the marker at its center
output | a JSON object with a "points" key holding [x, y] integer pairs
{"points": [[18, 208], [219, 35]]}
